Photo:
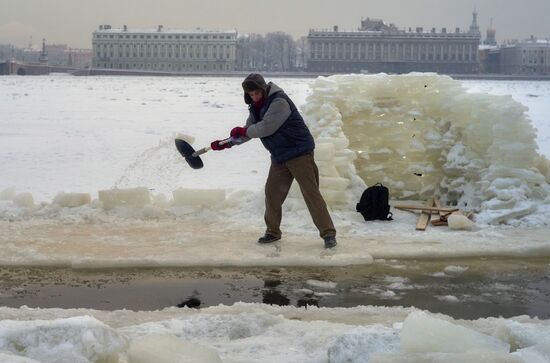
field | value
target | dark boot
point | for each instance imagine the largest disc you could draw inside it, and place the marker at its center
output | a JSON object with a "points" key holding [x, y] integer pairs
{"points": [[268, 238], [330, 241]]}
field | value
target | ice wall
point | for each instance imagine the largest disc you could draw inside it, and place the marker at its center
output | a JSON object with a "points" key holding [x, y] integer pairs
{"points": [[423, 135]]}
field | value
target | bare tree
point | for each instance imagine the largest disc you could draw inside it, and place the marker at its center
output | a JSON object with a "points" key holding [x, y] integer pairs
{"points": [[302, 49], [275, 51], [281, 51]]}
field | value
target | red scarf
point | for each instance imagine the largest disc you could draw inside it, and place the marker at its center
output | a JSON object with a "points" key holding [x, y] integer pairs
{"points": [[258, 105]]}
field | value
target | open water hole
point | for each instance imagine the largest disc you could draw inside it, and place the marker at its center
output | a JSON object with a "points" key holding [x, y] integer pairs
{"points": [[461, 288]]}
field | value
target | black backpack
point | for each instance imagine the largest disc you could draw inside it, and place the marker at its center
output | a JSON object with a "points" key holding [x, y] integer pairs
{"points": [[374, 203]]}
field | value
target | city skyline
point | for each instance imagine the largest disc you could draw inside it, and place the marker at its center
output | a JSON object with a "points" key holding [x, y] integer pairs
{"points": [[72, 22]]}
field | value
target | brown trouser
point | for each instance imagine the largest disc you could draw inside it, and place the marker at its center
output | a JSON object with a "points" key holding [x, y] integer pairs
{"points": [[279, 180]]}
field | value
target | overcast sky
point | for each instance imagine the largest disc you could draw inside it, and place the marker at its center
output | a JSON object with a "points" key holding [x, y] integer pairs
{"points": [[73, 21]]}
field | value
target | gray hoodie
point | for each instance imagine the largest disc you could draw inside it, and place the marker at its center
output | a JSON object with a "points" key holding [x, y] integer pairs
{"points": [[275, 116]]}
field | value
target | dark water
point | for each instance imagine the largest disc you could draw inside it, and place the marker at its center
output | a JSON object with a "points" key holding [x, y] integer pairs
{"points": [[488, 287]]}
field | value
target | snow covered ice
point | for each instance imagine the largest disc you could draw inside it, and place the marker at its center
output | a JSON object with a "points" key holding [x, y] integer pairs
{"points": [[112, 139], [75, 339], [253, 332], [91, 179]]}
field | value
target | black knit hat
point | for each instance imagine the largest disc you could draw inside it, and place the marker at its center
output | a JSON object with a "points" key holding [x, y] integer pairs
{"points": [[251, 83]]}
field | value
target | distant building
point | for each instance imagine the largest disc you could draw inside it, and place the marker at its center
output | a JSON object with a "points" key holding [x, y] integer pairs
{"points": [[489, 59], [52, 54], [164, 49], [57, 55], [490, 39], [527, 57], [43, 58], [378, 47], [474, 28], [79, 58], [9, 52]]}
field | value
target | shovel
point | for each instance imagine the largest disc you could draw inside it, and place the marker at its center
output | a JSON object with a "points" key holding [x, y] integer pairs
{"points": [[192, 156]]}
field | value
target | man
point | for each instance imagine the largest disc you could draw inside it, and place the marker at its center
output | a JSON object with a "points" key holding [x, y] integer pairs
{"points": [[276, 121]]}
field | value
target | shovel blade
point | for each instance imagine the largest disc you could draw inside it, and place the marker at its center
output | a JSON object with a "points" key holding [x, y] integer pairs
{"points": [[187, 151]]}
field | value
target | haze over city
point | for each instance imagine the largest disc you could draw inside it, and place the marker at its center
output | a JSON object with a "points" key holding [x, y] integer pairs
{"points": [[72, 22]]}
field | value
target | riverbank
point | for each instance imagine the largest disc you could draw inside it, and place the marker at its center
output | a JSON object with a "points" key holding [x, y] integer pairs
{"points": [[299, 74]]}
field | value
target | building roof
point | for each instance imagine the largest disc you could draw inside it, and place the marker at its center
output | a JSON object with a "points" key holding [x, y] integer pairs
{"points": [[162, 30], [528, 43], [485, 47]]}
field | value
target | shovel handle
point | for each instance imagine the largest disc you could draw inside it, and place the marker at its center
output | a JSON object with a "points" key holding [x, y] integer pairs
{"points": [[201, 151], [208, 148]]}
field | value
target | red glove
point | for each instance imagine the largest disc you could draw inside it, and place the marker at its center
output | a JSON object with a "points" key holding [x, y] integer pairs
{"points": [[238, 132], [215, 145]]}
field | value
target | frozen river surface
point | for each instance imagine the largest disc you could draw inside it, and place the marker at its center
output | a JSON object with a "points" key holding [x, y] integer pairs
{"points": [[60, 133]]}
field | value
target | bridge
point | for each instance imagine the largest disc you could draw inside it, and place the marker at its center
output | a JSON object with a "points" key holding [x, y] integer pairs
{"points": [[12, 67]]}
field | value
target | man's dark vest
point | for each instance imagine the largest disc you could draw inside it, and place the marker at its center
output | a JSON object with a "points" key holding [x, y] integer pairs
{"points": [[292, 139]]}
